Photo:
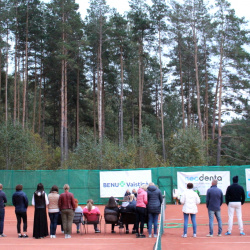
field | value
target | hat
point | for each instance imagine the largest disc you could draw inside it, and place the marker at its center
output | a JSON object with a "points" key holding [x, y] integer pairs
{"points": [[235, 179]]}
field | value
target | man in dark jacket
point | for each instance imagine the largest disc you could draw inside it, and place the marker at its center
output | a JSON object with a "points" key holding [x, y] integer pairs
{"points": [[20, 201], [235, 198], [214, 200], [154, 207], [3, 200]]}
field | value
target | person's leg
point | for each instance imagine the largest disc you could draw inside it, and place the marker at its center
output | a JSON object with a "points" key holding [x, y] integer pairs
{"points": [[137, 220], [230, 216], [70, 220], [113, 227], [64, 221], [18, 226], [239, 216], [56, 215], [193, 219], [2, 213], [211, 221], [185, 223], [218, 218], [150, 222], [155, 221], [142, 219], [24, 217], [51, 217]]}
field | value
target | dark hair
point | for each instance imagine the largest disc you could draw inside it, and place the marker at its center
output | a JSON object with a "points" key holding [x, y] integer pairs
{"points": [[190, 185], [54, 188], [40, 187], [19, 187], [111, 203]]}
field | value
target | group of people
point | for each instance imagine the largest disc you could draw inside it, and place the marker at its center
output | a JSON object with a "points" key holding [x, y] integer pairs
{"points": [[235, 198], [145, 203]]}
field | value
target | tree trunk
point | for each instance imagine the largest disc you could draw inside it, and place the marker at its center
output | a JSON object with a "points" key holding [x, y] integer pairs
{"points": [[140, 89], [121, 102], [34, 102], [215, 105], [77, 106], [162, 111], [94, 102], [6, 76], [26, 67]]}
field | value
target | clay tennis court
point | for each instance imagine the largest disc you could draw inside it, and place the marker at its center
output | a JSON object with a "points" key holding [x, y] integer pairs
{"points": [[170, 240]]}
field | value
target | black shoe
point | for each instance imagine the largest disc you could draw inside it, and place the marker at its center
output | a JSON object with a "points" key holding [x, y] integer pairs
{"points": [[25, 236], [113, 232], [127, 232], [142, 235], [20, 236], [137, 235], [134, 232], [97, 231]]}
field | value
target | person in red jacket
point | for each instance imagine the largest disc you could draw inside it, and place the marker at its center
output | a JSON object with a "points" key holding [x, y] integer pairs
{"points": [[66, 204], [141, 203]]}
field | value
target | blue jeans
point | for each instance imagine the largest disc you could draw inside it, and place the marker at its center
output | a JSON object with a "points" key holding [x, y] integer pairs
{"points": [[53, 222], [193, 219], [2, 213], [152, 219], [211, 221]]}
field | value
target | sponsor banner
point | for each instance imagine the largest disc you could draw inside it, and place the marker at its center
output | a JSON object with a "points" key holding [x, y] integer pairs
{"points": [[248, 182], [202, 180], [115, 183]]}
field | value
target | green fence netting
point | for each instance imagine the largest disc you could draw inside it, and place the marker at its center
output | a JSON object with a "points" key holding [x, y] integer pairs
{"points": [[85, 184]]}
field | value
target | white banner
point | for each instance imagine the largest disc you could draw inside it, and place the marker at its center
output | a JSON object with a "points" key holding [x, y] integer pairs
{"points": [[115, 183], [202, 180], [248, 181]]}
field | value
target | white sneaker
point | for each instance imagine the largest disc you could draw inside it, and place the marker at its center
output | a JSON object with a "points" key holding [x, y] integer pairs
{"points": [[194, 235], [54, 236], [184, 236], [66, 236], [51, 236], [155, 235], [150, 236], [69, 236]]}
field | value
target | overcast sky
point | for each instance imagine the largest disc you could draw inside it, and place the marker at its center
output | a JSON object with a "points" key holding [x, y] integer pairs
{"points": [[241, 7]]}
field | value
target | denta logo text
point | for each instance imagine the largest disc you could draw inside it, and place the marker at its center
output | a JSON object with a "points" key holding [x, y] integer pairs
{"points": [[203, 178]]}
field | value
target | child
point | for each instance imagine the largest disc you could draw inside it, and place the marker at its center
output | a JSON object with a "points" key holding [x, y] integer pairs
{"points": [[78, 209]]}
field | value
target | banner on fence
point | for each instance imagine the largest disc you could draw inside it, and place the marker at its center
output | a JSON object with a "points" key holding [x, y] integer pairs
{"points": [[202, 180], [248, 181], [115, 183]]}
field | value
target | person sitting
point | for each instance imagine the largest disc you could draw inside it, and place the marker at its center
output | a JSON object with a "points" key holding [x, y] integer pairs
{"points": [[127, 193], [176, 196], [91, 210], [134, 193], [128, 206], [78, 209], [112, 207]]}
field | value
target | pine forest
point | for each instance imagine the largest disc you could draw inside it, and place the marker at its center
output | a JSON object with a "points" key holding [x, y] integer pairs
{"points": [[165, 83]]}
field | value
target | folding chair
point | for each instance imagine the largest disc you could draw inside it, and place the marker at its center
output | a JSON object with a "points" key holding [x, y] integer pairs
{"points": [[127, 218], [78, 219], [110, 217], [92, 219]]}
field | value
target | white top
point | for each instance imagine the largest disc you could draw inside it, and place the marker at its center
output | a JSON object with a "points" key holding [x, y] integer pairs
{"points": [[190, 199], [46, 199]]}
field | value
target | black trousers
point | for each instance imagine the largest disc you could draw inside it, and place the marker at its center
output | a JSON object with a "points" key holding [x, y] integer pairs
{"points": [[140, 218], [19, 217]]}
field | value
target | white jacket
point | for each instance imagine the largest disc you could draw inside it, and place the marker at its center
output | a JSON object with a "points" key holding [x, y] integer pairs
{"points": [[190, 199]]}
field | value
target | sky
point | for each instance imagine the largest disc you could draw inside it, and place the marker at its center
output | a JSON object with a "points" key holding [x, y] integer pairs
{"points": [[241, 7]]}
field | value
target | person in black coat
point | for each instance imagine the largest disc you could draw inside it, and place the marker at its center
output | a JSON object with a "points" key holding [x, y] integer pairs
{"points": [[153, 207], [112, 210], [20, 201]]}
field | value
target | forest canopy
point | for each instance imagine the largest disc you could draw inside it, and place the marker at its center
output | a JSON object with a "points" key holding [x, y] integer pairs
{"points": [[158, 85]]}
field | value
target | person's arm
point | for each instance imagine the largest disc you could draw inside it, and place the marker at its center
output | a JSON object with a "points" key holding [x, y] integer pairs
{"points": [[198, 200], [60, 202], [183, 198], [26, 201], [33, 200], [13, 200], [160, 196], [4, 198], [145, 198], [46, 200], [207, 198], [243, 197], [97, 210], [227, 195], [221, 199]]}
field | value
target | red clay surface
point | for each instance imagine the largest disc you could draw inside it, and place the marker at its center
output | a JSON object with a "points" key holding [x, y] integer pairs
{"points": [[171, 239]]}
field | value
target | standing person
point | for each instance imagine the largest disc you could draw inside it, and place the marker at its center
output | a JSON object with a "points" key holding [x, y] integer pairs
{"points": [[66, 204], [3, 200], [176, 196], [214, 200], [154, 208], [141, 204], [235, 198], [40, 201], [20, 202], [190, 199], [91, 210], [53, 210], [112, 206]]}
